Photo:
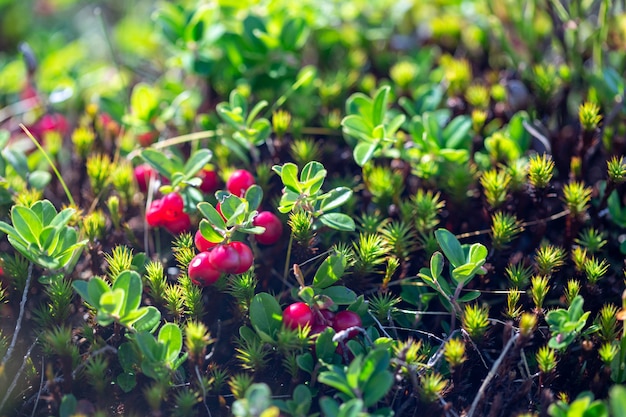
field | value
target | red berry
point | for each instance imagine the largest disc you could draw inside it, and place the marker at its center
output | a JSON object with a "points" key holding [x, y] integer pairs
{"points": [[148, 138], [200, 270], [273, 228], [218, 208], [326, 318], [154, 214], [346, 319], [225, 258], [179, 224], [172, 206], [210, 181], [143, 173], [297, 315], [245, 256], [202, 243], [239, 182]]}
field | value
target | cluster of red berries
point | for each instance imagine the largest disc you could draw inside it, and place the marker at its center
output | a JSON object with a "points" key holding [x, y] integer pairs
{"points": [[228, 258], [168, 212], [299, 314]]}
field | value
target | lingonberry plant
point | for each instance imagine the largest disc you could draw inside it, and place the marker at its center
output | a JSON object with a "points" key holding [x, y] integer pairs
{"points": [[342, 208]]}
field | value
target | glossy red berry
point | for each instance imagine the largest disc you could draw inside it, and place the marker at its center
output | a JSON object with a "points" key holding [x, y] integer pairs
{"points": [[225, 258], [202, 243], [246, 258], [154, 214], [143, 173], [298, 314], [200, 270], [273, 228], [172, 206], [324, 318], [148, 138], [179, 224], [346, 319], [210, 181], [239, 182]]}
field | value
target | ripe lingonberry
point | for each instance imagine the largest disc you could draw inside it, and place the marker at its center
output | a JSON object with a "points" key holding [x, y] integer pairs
{"points": [[210, 181], [225, 258], [172, 206], [200, 270], [325, 317], [346, 319], [298, 314], [148, 138], [273, 227], [143, 173], [245, 256], [239, 182], [154, 214], [178, 224], [202, 243]]}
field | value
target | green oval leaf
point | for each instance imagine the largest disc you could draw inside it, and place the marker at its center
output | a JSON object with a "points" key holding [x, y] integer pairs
{"points": [[265, 314]]}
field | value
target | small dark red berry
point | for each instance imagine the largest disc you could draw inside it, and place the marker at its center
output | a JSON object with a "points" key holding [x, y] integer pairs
{"points": [[200, 270], [273, 228], [154, 214], [225, 258], [298, 314], [202, 243], [346, 319], [210, 181], [239, 182], [143, 173], [179, 224], [172, 206], [246, 258]]}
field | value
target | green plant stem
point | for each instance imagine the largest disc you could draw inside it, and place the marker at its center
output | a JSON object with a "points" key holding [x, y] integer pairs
{"points": [[54, 168], [288, 258], [20, 317]]}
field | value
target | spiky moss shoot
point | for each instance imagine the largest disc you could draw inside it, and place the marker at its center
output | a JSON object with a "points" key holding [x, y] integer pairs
{"points": [[239, 384], [184, 250], [27, 197], [513, 308], [381, 305], [549, 258], [538, 290], [192, 297], [242, 288], [426, 207], [527, 325], [154, 395], [540, 170], [571, 290], [399, 239], [333, 119], [504, 228], [589, 116], [591, 239], [96, 372], [371, 222], [83, 139], [174, 301], [156, 281], [290, 365], [411, 354], [607, 352], [458, 74], [498, 93], [369, 253], [218, 377], [477, 96], [184, 402], [293, 340], [58, 308], [595, 269], [606, 320], [391, 266], [454, 352], [519, 275], [546, 359], [197, 337], [123, 180], [518, 171], [305, 150], [58, 341], [281, 119], [403, 73], [616, 170], [94, 225], [99, 167], [120, 260], [384, 184], [546, 81], [479, 117], [113, 205], [15, 268], [579, 257], [576, 197], [252, 354], [301, 224], [475, 320], [431, 386]]}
